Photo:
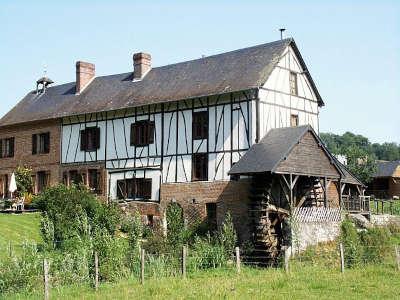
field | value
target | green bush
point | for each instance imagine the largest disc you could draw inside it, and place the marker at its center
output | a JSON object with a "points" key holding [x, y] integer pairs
{"points": [[227, 235], [207, 253], [74, 212], [352, 244], [376, 242]]}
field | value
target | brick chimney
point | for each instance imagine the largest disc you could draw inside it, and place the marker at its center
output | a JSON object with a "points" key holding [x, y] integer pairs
{"points": [[141, 65], [85, 72]]}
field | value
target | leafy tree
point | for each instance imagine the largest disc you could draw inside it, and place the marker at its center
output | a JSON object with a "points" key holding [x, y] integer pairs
{"points": [[23, 178], [361, 163]]}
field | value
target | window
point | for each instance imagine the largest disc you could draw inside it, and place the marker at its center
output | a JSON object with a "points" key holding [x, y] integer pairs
{"points": [[90, 139], [200, 125], [293, 83], [41, 143], [211, 213], [7, 147], [75, 177], [199, 166], [142, 133], [294, 120], [42, 181], [94, 180], [134, 188]]}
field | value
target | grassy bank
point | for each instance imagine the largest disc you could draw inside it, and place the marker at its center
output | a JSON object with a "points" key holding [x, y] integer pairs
{"points": [[374, 282], [17, 228]]}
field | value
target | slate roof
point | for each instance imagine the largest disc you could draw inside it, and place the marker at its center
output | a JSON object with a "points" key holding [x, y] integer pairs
{"points": [[275, 146], [270, 151], [386, 168], [238, 70]]}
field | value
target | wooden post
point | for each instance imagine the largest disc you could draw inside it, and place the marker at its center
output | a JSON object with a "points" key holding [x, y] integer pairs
{"points": [[184, 254], [142, 253], [237, 251], [46, 279], [341, 257], [287, 256], [397, 252], [391, 207], [96, 271]]}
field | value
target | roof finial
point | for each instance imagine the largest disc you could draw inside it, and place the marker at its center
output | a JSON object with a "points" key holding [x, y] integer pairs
{"points": [[282, 30]]}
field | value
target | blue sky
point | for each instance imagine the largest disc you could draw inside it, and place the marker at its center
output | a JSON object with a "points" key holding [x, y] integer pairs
{"points": [[351, 48]]}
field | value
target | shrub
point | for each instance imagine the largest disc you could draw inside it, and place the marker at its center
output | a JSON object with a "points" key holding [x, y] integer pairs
{"points": [[75, 213], [227, 235], [207, 253], [376, 242], [23, 178], [351, 242], [175, 224]]}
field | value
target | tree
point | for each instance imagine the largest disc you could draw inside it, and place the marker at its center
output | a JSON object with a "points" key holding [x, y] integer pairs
{"points": [[23, 178], [361, 163]]}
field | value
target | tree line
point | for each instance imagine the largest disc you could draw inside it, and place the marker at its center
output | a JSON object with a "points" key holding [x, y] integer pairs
{"points": [[360, 153]]}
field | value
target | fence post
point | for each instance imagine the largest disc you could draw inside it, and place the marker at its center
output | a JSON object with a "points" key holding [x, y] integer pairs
{"points": [[397, 252], [96, 270], [142, 253], [46, 279], [237, 252], [184, 254], [287, 256], [341, 257]]}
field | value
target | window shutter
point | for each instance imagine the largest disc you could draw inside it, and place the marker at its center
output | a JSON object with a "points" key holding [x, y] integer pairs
{"points": [[47, 142], [34, 143], [1, 148], [147, 189], [12, 147], [121, 193], [97, 138], [83, 140], [133, 134], [98, 183], [151, 132]]}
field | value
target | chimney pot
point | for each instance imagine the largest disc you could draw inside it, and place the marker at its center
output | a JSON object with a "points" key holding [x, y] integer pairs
{"points": [[141, 65], [85, 72]]}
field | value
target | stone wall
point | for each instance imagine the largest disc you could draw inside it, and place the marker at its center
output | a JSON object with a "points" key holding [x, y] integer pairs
{"points": [[384, 220], [311, 233]]}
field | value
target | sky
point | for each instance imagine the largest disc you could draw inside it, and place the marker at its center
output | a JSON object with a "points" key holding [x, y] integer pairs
{"points": [[352, 49]]}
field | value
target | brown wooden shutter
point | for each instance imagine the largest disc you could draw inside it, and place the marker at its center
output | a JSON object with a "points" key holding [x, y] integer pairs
{"points": [[83, 140], [151, 132], [1, 148], [133, 134], [47, 142], [34, 143], [97, 137], [147, 188], [12, 147], [121, 189]]}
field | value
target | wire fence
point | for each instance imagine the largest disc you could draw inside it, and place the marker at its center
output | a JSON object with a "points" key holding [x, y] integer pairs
{"points": [[48, 272]]}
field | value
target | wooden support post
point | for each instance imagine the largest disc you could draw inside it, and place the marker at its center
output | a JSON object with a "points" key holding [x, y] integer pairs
{"points": [[287, 257], [96, 271], [325, 193], [341, 257], [46, 279], [142, 253], [397, 253], [391, 207], [184, 254], [237, 251]]}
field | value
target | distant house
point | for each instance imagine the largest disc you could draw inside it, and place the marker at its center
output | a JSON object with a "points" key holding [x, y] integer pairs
{"points": [[386, 180]]}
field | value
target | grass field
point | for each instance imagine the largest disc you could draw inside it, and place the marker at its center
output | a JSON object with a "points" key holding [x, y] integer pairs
{"points": [[17, 229], [303, 283]]}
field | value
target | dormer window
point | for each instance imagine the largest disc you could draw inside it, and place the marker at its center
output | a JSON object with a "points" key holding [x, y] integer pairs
{"points": [[293, 83]]}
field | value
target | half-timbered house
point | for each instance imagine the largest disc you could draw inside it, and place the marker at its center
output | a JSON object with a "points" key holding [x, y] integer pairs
{"points": [[200, 133]]}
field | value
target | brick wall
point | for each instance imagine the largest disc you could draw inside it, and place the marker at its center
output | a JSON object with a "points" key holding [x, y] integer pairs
{"points": [[22, 133], [229, 196]]}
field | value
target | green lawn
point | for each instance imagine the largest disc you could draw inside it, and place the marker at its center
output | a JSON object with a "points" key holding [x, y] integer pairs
{"points": [[17, 228], [302, 283]]}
